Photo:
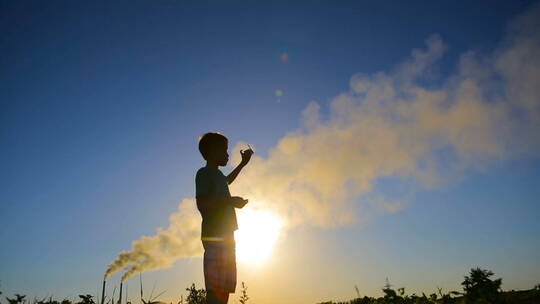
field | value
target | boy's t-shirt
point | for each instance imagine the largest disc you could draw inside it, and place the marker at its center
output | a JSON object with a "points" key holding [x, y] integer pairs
{"points": [[220, 220]]}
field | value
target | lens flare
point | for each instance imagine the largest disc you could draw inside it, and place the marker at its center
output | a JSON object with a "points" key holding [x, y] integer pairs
{"points": [[279, 94]]}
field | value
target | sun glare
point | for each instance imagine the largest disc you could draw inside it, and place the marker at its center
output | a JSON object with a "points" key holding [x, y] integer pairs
{"points": [[257, 234]]}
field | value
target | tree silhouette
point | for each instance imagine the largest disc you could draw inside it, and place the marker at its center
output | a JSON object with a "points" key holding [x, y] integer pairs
{"points": [[389, 293], [86, 299], [18, 299], [196, 296], [479, 288]]}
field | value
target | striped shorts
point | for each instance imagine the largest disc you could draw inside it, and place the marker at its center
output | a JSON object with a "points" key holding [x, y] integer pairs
{"points": [[220, 266]]}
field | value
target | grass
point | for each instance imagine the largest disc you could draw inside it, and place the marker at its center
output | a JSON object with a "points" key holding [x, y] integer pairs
{"points": [[478, 288]]}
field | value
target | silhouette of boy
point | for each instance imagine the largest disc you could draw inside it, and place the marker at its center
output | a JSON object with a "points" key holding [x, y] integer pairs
{"points": [[218, 216]]}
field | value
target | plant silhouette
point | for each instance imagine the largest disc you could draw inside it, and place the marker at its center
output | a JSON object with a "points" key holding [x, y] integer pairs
{"points": [[195, 296], [479, 288], [18, 299], [86, 299], [244, 297]]}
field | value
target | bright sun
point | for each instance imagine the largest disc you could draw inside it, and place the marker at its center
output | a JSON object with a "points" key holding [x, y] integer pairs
{"points": [[258, 233]]}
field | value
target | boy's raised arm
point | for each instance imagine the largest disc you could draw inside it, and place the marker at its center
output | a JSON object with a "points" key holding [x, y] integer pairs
{"points": [[246, 156], [232, 176]]}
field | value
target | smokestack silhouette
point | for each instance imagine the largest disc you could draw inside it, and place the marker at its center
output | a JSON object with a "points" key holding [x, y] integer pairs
{"points": [[103, 293], [120, 297]]}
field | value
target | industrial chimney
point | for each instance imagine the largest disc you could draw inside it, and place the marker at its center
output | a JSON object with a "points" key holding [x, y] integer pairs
{"points": [[103, 293], [120, 297]]}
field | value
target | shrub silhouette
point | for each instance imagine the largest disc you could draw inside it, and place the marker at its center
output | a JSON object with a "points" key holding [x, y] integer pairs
{"points": [[18, 299], [85, 299], [196, 296], [479, 288], [244, 297]]}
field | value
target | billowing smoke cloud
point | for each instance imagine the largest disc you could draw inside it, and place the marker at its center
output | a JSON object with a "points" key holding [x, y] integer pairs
{"points": [[180, 239], [406, 124]]}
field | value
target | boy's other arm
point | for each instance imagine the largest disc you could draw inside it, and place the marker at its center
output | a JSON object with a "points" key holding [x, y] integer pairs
{"points": [[206, 203]]}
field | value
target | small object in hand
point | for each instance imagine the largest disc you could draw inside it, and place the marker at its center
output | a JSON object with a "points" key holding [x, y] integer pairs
{"points": [[250, 147]]}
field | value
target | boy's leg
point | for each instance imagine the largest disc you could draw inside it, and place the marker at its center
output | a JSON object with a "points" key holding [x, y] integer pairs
{"points": [[216, 297], [214, 273]]}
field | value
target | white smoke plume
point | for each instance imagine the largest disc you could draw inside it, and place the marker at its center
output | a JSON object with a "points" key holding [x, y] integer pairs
{"points": [[407, 123], [180, 239]]}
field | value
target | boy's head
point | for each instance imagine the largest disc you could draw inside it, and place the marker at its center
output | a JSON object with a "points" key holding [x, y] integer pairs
{"points": [[213, 148]]}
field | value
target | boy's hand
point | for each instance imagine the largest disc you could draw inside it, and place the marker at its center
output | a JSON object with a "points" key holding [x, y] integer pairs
{"points": [[238, 202], [246, 156]]}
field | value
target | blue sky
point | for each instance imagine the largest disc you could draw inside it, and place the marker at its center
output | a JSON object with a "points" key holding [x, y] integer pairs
{"points": [[102, 105]]}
